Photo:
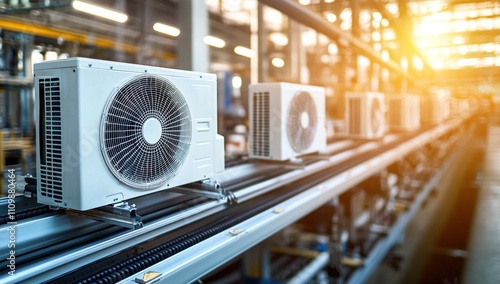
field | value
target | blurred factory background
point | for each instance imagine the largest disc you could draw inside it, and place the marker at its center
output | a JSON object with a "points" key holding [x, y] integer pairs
{"points": [[428, 48]]}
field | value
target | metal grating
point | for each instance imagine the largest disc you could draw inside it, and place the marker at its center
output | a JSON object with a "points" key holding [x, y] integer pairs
{"points": [[395, 112], [50, 138], [355, 116], [428, 111], [301, 136], [138, 103], [376, 116], [261, 122]]}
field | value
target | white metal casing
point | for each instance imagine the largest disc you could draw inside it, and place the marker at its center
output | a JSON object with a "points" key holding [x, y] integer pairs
{"points": [[460, 107], [403, 112], [82, 178], [365, 117], [434, 109], [268, 135]]}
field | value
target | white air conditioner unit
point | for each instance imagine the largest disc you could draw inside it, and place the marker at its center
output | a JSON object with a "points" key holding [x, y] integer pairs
{"points": [[109, 131], [403, 112], [434, 109], [365, 115], [459, 107], [286, 120]]}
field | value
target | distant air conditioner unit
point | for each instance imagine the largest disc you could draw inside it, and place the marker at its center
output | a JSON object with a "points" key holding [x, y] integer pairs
{"points": [[434, 109], [286, 120], [365, 117], [109, 131], [403, 112], [460, 107]]}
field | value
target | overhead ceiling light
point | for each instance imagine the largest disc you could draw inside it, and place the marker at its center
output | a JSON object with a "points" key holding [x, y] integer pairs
{"points": [[236, 82], [346, 14], [278, 38], [385, 56], [243, 51], [331, 17], [100, 11], [417, 63], [278, 62], [377, 16], [214, 41], [36, 56], [404, 63], [309, 37], [51, 55], [333, 48], [166, 29]]}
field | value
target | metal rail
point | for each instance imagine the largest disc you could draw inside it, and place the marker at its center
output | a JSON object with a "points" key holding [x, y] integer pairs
{"points": [[198, 260], [379, 252], [217, 250]]}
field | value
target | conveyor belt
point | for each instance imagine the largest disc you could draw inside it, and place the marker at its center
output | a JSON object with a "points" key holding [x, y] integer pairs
{"points": [[190, 264], [25, 214], [146, 259], [267, 194]]}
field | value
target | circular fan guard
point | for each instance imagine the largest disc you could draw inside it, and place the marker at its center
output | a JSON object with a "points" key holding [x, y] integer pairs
{"points": [[132, 157], [302, 121]]}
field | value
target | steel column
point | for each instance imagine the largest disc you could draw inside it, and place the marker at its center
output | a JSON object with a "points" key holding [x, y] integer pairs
{"points": [[193, 22]]}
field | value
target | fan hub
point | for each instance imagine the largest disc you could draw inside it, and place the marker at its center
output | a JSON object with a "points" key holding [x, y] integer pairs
{"points": [[151, 130], [304, 120]]}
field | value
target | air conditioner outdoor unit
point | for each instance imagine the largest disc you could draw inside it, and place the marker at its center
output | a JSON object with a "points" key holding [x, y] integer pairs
{"points": [[365, 115], [403, 112], [286, 120], [434, 109], [109, 131], [459, 107]]}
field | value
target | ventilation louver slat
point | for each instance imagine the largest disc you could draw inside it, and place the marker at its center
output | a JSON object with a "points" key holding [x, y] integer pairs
{"points": [[355, 116], [51, 168], [261, 118]]}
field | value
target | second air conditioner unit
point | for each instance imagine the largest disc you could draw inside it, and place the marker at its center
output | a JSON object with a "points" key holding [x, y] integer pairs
{"points": [[110, 131], [403, 112], [286, 120], [365, 115], [434, 109]]}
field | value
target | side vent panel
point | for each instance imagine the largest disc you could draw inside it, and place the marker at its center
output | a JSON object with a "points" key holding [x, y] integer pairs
{"points": [[395, 112], [261, 119], [355, 116], [50, 138]]}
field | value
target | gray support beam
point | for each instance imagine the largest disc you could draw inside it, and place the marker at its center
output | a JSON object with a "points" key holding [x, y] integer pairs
{"points": [[119, 55], [405, 50], [254, 43], [263, 65], [355, 31], [193, 22], [309, 18], [143, 45], [294, 50]]}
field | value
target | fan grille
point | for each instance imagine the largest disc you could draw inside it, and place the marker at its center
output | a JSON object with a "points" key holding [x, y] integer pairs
{"points": [[396, 112], [377, 116], [302, 121], [131, 154]]}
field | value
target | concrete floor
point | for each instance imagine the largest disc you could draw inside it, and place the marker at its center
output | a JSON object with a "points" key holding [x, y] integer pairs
{"points": [[483, 261]]}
